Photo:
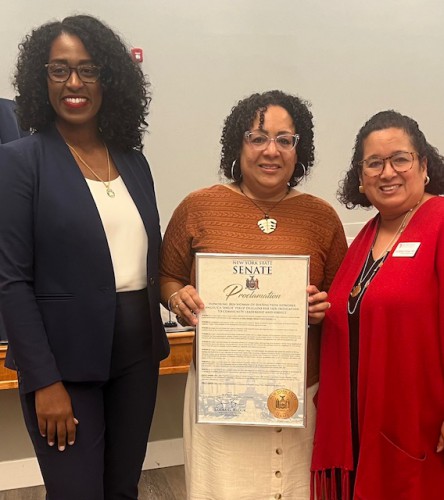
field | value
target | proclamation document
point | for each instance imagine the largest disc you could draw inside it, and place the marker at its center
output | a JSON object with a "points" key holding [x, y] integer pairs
{"points": [[252, 339]]}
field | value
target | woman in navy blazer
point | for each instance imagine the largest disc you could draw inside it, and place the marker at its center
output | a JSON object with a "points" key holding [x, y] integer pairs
{"points": [[79, 243]]}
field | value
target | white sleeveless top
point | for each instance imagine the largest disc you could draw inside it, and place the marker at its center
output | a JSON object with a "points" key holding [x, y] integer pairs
{"points": [[125, 232]]}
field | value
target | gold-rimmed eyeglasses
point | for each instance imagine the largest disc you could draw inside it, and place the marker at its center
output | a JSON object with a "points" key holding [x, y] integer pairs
{"points": [[60, 72], [261, 141], [401, 162]]}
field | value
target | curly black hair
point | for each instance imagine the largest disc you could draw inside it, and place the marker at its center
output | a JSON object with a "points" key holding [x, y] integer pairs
{"points": [[241, 119], [125, 100], [348, 192]]}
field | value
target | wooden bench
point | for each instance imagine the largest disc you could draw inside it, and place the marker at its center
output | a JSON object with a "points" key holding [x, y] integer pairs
{"points": [[178, 361]]}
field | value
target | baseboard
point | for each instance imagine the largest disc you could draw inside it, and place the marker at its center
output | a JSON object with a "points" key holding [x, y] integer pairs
{"points": [[25, 473], [20, 474], [166, 453]]}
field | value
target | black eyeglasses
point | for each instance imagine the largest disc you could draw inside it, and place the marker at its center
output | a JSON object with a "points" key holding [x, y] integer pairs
{"points": [[60, 73], [401, 162]]}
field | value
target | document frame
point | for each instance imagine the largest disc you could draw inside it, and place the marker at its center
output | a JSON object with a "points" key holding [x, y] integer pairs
{"points": [[251, 339]]}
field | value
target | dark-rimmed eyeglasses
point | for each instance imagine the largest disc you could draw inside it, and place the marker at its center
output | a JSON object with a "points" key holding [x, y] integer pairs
{"points": [[60, 73], [401, 162], [261, 141]]}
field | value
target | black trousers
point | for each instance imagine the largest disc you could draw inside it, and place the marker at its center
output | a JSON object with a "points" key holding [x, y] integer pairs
{"points": [[114, 417]]}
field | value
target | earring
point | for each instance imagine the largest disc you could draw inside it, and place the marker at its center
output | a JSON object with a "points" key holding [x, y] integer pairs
{"points": [[233, 165], [426, 180], [303, 168], [361, 189], [295, 179]]}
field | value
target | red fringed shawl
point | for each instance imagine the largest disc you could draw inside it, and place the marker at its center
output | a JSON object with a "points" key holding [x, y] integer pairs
{"points": [[400, 374]]}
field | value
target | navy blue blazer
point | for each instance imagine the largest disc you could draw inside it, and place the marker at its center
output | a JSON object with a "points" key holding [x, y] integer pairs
{"points": [[9, 131], [57, 287], [9, 127]]}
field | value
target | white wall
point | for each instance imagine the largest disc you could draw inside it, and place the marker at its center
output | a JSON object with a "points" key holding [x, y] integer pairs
{"points": [[351, 58]]}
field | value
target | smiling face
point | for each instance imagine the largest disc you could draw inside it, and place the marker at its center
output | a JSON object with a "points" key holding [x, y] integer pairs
{"points": [[393, 193], [265, 173], [75, 103]]}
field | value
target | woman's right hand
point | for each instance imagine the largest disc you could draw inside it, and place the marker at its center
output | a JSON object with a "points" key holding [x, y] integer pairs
{"points": [[55, 416], [186, 304]]}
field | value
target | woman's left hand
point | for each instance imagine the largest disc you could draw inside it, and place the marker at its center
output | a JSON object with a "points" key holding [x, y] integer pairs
{"points": [[440, 446], [317, 304]]}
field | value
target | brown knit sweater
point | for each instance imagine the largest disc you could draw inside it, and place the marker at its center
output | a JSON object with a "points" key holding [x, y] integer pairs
{"points": [[220, 220]]}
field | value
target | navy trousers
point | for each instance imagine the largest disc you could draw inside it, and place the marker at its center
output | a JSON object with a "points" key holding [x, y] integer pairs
{"points": [[114, 417]]}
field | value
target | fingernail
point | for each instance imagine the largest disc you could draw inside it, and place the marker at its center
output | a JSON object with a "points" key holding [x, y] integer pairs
{"points": [[61, 448], [51, 443], [70, 443]]}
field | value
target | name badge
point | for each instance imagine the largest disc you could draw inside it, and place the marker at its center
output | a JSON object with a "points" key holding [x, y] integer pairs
{"points": [[406, 249]]}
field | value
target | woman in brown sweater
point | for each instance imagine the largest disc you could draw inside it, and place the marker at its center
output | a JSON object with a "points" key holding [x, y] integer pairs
{"points": [[267, 149]]}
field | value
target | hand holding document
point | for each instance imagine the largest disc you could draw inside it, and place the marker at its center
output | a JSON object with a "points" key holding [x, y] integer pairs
{"points": [[252, 339]]}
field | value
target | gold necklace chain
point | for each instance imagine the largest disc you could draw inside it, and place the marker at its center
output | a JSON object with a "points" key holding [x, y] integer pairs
{"points": [[398, 233], [267, 225], [359, 289], [107, 184]]}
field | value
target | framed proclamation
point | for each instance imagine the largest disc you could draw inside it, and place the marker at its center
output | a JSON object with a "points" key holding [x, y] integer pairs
{"points": [[252, 339]]}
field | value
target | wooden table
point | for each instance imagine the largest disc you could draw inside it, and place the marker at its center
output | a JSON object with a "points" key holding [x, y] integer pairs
{"points": [[178, 361]]}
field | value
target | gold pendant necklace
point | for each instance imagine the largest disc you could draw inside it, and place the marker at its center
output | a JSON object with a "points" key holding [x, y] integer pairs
{"points": [[366, 276], [107, 184], [356, 290], [267, 225]]}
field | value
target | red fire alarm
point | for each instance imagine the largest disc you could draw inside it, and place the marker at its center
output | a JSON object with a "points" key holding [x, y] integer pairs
{"points": [[137, 54]]}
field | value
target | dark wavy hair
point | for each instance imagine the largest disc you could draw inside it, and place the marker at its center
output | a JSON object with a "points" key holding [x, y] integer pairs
{"points": [[241, 119], [125, 100], [348, 192]]}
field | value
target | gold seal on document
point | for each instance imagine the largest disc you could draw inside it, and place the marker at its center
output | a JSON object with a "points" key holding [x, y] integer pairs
{"points": [[282, 403]]}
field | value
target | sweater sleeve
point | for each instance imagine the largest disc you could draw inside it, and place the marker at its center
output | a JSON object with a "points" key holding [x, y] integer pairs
{"points": [[177, 250], [336, 251]]}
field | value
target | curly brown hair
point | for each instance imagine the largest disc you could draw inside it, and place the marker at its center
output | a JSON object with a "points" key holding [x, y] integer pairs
{"points": [[348, 192], [122, 116], [241, 119]]}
